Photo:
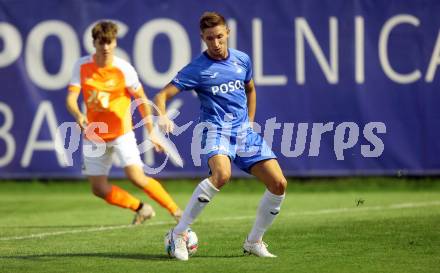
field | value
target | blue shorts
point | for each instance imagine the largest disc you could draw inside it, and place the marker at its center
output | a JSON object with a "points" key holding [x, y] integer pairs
{"points": [[245, 148]]}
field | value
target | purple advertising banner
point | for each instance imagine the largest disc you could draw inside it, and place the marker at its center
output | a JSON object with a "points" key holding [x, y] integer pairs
{"points": [[343, 87]]}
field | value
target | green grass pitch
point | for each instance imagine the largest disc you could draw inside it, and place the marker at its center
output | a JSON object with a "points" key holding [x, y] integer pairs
{"points": [[347, 225]]}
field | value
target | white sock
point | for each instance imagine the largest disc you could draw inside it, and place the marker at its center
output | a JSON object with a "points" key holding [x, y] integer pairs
{"points": [[201, 196], [267, 211]]}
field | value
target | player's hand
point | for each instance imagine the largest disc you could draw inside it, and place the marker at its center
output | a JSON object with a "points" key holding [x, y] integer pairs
{"points": [[156, 143], [165, 124], [82, 121], [253, 125]]}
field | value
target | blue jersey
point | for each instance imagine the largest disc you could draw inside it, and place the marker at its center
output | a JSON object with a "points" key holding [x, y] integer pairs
{"points": [[219, 85]]}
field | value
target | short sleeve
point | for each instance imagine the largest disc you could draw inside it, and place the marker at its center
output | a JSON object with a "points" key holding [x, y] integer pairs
{"points": [[249, 72], [187, 78], [131, 78], [75, 81]]}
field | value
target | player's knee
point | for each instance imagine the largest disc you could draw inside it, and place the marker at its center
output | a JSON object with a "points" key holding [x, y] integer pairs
{"points": [[278, 186], [136, 176], [99, 191], [136, 180], [221, 177]]}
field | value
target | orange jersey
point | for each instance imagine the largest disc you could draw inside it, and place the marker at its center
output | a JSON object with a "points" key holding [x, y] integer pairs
{"points": [[106, 93]]}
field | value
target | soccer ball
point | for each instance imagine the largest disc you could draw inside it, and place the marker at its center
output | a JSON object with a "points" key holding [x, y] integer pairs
{"points": [[192, 242]]}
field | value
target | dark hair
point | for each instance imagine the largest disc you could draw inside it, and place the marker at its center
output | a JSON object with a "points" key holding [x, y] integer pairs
{"points": [[211, 19], [104, 32]]}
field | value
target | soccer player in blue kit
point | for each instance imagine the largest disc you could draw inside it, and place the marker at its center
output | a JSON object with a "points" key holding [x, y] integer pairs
{"points": [[222, 79]]}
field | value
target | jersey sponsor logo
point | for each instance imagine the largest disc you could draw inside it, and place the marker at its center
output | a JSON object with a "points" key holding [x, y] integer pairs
{"points": [[227, 87], [95, 83]]}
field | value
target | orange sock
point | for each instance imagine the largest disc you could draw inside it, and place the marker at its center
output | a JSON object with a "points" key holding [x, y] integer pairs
{"points": [[123, 199], [155, 190]]}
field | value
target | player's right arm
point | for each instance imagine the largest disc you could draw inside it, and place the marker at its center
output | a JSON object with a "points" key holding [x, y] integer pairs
{"points": [[72, 107], [74, 89], [186, 79], [164, 95]]}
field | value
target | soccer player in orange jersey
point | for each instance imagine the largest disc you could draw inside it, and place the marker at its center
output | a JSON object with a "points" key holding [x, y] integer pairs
{"points": [[107, 84]]}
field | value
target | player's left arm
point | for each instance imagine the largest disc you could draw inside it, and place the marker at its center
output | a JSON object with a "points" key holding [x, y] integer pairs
{"points": [[144, 107], [251, 95], [145, 111]]}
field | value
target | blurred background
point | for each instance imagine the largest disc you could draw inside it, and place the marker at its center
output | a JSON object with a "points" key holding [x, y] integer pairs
{"points": [[345, 88]]}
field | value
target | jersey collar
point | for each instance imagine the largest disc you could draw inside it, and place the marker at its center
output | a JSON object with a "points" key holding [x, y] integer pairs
{"points": [[214, 60]]}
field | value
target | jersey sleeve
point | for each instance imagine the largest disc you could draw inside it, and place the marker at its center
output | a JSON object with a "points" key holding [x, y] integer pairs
{"points": [[132, 82], [249, 72], [75, 81], [187, 78]]}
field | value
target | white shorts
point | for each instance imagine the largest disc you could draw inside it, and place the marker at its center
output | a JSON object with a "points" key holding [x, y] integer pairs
{"points": [[97, 158]]}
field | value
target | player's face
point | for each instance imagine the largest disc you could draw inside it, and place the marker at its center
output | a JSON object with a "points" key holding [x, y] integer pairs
{"points": [[216, 39], [105, 49]]}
